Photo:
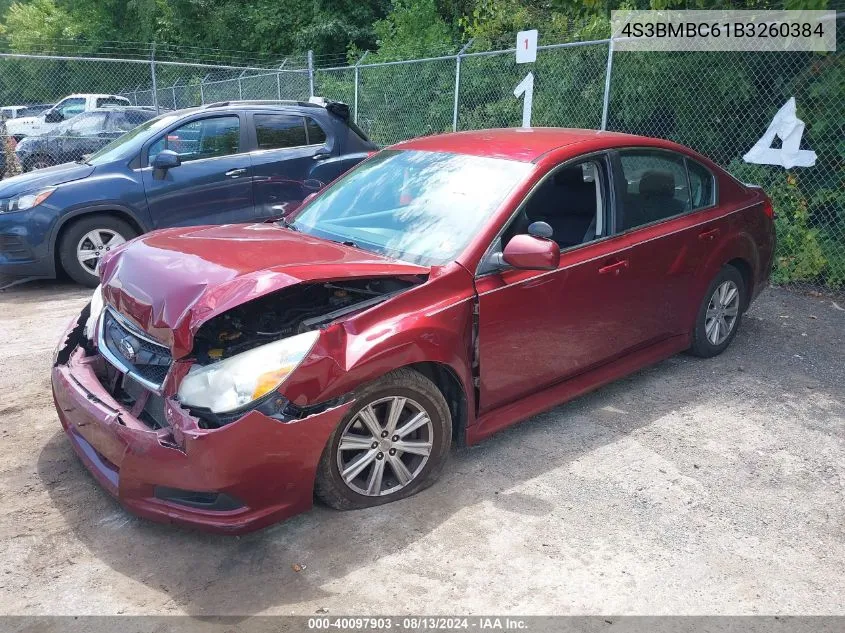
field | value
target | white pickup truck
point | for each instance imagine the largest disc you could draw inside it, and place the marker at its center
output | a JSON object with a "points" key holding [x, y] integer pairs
{"points": [[65, 109]]}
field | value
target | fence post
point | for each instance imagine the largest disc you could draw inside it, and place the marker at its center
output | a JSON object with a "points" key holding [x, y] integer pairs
{"points": [[240, 87], [202, 90], [358, 63], [279, 79], [458, 84], [153, 74], [173, 90], [608, 72], [311, 73]]}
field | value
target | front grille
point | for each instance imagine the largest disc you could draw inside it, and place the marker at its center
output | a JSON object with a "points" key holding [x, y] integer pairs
{"points": [[133, 352]]}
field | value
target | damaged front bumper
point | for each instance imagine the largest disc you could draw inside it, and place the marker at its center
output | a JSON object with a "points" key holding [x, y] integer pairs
{"points": [[240, 477]]}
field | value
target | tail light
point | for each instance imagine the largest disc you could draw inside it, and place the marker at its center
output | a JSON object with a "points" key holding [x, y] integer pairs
{"points": [[768, 209]]}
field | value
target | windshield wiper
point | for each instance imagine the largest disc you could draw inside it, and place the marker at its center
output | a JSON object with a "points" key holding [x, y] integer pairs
{"points": [[288, 225]]}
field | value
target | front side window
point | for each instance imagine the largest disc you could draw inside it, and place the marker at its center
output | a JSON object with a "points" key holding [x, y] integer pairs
{"points": [[421, 207], [277, 131], [72, 107], [655, 187], [571, 201], [203, 138], [89, 124]]}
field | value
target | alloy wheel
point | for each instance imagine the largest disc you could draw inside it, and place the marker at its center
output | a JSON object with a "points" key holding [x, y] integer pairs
{"points": [[94, 245], [385, 446], [722, 312]]}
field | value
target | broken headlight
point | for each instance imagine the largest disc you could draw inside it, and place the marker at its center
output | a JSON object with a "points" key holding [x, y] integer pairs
{"points": [[97, 305], [234, 382]]}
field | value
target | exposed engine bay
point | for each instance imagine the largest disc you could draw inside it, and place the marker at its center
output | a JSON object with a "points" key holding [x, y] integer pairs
{"points": [[289, 312]]}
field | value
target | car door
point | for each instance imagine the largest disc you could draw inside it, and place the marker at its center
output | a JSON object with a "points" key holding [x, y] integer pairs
{"points": [[537, 328], [213, 185], [287, 146], [667, 241]]}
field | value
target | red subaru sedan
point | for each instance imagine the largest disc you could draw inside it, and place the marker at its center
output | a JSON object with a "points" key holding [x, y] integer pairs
{"points": [[446, 288]]}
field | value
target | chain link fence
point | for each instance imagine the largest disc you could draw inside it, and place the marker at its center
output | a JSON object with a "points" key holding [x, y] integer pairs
{"points": [[717, 103]]}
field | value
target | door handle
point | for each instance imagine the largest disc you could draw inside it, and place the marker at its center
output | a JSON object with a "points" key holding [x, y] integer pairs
{"points": [[710, 235], [235, 173], [615, 267], [321, 156]]}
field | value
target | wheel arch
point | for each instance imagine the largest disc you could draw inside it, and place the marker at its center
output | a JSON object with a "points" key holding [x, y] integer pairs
{"points": [[446, 380], [744, 268], [71, 218], [739, 251]]}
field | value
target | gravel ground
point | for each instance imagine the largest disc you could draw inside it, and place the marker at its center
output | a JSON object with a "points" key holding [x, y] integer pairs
{"points": [[692, 487]]}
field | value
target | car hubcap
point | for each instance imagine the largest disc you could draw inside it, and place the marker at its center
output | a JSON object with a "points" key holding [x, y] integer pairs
{"points": [[722, 312], [385, 446], [93, 245]]}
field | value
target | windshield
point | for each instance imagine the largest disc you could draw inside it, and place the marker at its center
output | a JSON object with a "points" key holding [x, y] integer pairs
{"points": [[116, 148], [420, 207]]}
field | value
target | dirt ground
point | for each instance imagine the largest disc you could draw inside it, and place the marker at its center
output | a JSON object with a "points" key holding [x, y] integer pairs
{"points": [[693, 487]]}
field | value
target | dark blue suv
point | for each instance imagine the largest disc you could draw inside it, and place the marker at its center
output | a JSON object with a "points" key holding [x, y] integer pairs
{"points": [[225, 162]]}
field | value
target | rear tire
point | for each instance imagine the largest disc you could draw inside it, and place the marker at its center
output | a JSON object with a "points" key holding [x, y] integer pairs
{"points": [[720, 314], [88, 239], [373, 469]]}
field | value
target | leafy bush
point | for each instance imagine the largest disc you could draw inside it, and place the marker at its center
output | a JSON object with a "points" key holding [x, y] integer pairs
{"points": [[806, 251]]}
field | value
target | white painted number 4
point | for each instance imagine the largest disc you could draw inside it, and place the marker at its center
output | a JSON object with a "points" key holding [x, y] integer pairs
{"points": [[789, 129]]}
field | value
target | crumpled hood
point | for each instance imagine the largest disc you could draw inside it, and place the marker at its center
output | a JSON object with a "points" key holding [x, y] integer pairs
{"points": [[172, 281], [41, 178]]}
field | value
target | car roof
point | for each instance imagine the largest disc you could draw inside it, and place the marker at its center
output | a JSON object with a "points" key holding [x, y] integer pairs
{"points": [[94, 94], [123, 108], [520, 144]]}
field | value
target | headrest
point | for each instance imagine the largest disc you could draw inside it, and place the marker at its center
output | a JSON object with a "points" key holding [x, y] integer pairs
{"points": [[657, 184], [570, 177]]}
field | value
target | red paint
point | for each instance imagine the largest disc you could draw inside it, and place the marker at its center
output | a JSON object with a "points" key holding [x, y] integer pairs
{"points": [[532, 253], [198, 273], [605, 309]]}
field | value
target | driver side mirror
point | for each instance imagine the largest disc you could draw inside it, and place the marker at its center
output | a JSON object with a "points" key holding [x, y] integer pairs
{"points": [[528, 252], [53, 116], [166, 159]]}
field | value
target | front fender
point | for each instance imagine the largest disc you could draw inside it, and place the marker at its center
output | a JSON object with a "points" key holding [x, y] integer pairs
{"points": [[403, 331]]}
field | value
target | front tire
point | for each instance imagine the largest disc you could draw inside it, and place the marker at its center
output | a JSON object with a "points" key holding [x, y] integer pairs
{"points": [[720, 314], [391, 445], [88, 239]]}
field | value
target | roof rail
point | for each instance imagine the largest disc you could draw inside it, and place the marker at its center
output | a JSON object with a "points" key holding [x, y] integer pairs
{"points": [[223, 104]]}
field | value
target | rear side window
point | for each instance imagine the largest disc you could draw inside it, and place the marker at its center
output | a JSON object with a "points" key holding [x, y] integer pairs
{"points": [[655, 187], [702, 186], [276, 131], [203, 138], [316, 135], [106, 101]]}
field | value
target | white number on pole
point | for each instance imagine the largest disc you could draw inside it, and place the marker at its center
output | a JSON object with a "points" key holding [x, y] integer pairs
{"points": [[526, 47], [526, 87]]}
